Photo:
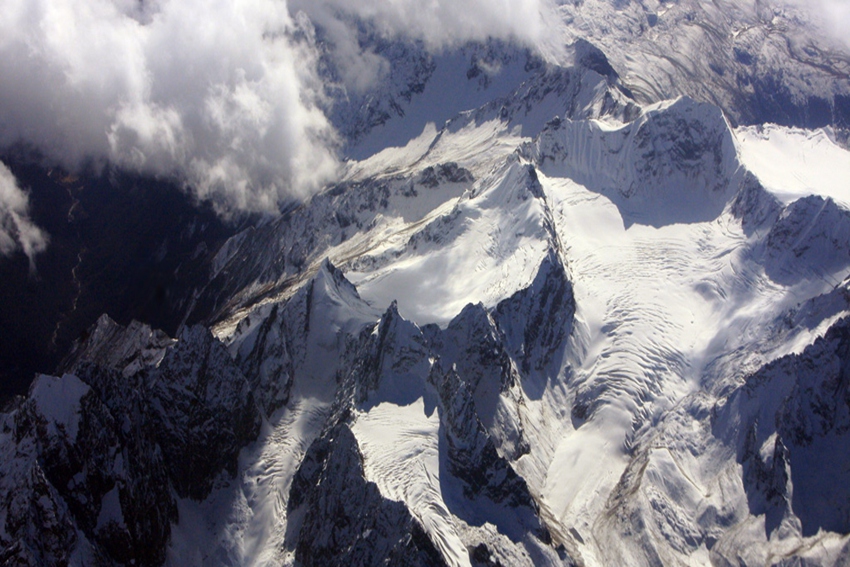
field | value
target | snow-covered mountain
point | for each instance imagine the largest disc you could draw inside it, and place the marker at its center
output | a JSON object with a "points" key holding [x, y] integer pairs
{"points": [[581, 311]]}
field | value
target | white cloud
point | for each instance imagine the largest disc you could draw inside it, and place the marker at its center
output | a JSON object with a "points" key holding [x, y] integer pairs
{"points": [[837, 15], [221, 94], [444, 23], [832, 15], [217, 93], [17, 232]]}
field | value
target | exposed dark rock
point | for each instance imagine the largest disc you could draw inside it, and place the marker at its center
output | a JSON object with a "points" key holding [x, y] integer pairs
{"points": [[346, 521], [794, 436], [537, 321]]}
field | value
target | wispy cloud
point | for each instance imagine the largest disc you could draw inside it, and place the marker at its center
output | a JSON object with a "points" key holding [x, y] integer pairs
{"points": [[832, 15], [17, 232], [837, 16], [222, 94], [443, 23]]}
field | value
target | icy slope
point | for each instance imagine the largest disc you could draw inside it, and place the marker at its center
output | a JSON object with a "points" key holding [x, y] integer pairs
{"points": [[384, 199], [428, 89], [793, 163], [674, 164], [657, 307]]}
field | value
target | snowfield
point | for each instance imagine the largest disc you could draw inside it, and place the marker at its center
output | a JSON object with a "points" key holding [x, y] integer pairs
{"points": [[672, 312]]}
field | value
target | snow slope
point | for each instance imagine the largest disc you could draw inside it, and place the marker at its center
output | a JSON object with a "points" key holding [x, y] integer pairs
{"points": [[793, 163], [676, 296]]}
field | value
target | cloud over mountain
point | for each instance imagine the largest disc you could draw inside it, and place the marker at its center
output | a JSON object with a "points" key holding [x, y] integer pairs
{"points": [[17, 232], [223, 96], [220, 95]]}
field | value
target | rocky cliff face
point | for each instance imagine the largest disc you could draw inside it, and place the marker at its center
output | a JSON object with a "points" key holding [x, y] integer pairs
{"points": [[792, 440], [479, 433], [137, 418], [339, 518]]}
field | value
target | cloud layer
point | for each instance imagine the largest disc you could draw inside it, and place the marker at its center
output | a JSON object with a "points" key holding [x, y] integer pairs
{"points": [[223, 95], [836, 15], [17, 232], [219, 93]]}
